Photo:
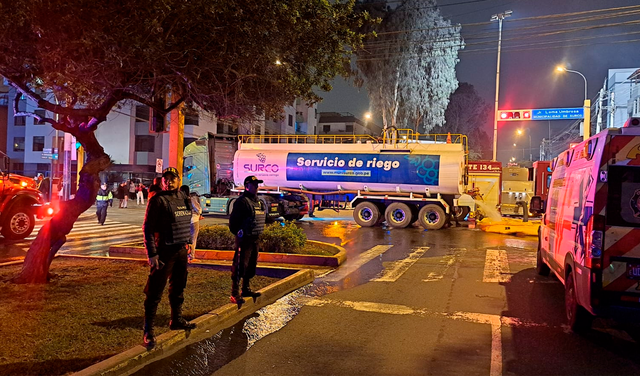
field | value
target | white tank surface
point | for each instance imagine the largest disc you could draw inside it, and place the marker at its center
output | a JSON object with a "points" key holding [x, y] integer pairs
{"points": [[403, 167]]}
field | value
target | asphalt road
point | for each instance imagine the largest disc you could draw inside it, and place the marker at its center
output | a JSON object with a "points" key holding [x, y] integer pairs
{"points": [[407, 302], [414, 302]]}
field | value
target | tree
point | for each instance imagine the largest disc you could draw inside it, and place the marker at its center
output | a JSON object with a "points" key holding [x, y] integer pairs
{"points": [[229, 57], [471, 115], [409, 69]]}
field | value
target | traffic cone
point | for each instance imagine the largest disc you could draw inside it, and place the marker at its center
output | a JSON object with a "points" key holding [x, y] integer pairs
{"points": [[449, 138]]}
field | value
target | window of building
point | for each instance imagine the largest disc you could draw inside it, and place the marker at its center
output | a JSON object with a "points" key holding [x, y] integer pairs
{"points": [[42, 114], [19, 121], [326, 128], [145, 143], [142, 113], [192, 117], [38, 143], [349, 128], [220, 127], [291, 120], [18, 144]]}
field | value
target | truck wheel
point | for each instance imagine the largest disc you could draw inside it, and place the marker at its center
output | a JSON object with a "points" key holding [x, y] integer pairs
{"points": [[461, 212], [577, 317], [398, 215], [432, 217], [366, 214], [541, 267], [18, 225]]}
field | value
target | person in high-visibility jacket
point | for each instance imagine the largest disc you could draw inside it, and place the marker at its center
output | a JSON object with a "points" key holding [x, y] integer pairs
{"points": [[102, 203]]}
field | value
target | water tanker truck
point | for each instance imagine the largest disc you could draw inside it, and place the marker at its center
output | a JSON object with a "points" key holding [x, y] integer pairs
{"points": [[403, 177]]}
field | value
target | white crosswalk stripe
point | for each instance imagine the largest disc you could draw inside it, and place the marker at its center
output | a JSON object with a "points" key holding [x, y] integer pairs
{"points": [[361, 259], [496, 266], [91, 237], [398, 268], [448, 260]]}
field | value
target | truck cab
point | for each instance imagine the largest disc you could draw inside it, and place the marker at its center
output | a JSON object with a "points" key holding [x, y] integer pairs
{"points": [[20, 204], [590, 232]]}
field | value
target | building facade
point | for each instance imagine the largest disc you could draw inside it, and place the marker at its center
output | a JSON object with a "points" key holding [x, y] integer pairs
{"points": [[345, 123]]}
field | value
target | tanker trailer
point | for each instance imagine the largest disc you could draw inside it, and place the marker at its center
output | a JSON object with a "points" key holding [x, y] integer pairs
{"points": [[407, 179], [208, 165]]}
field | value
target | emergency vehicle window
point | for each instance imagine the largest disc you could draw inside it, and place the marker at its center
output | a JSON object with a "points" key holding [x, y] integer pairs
{"points": [[623, 201], [548, 181]]}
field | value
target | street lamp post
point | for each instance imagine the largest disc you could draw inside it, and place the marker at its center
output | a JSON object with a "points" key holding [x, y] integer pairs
{"points": [[497, 17], [587, 103]]}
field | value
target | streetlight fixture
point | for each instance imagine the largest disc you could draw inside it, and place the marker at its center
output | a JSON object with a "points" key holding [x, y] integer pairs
{"points": [[521, 132], [498, 17], [587, 103]]}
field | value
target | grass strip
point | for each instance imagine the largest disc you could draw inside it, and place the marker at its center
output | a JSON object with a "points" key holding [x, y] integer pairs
{"points": [[91, 310]]}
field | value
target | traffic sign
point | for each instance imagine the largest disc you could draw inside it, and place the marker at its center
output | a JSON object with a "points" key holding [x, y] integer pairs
{"points": [[557, 113]]}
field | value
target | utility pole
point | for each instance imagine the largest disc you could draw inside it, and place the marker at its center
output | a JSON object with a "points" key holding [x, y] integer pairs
{"points": [[497, 17]]}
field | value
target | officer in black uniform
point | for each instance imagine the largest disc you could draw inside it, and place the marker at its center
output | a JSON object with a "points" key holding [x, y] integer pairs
{"points": [[167, 239], [247, 223]]}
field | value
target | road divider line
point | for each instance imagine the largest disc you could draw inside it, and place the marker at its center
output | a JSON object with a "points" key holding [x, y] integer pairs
{"points": [[496, 266], [398, 268], [362, 259]]}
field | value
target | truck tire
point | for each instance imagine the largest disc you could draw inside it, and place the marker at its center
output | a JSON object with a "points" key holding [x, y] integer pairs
{"points": [[578, 319], [398, 215], [541, 268], [432, 217], [461, 212], [366, 214], [18, 224]]}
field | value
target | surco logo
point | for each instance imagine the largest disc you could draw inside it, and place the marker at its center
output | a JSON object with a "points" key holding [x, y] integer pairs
{"points": [[263, 166]]}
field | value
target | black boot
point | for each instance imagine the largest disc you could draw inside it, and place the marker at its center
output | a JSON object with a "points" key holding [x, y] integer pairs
{"points": [[178, 322], [149, 337], [246, 290], [236, 298]]}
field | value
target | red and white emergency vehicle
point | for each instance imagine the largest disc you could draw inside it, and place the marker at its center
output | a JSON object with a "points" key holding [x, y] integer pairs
{"points": [[590, 232]]}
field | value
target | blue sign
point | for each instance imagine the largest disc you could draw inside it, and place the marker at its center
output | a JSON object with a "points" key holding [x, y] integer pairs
{"points": [[557, 113], [419, 169]]}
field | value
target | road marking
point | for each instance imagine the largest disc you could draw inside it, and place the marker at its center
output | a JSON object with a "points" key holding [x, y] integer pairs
{"points": [[496, 266], [496, 321], [362, 259], [398, 268], [445, 263]]}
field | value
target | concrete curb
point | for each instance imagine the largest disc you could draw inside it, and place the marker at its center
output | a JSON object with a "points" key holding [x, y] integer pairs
{"points": [[263, 257], [168, 343]]}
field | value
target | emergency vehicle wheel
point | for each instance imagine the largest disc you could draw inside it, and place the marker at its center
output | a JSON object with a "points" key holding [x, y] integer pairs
{"points": [[578, 318], [461, 212], [18, 225], [432, 217], [541, 267], [366, 214], [398, 215]]}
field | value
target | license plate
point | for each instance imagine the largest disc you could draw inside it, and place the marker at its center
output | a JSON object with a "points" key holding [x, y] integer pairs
{"points": [[633, 271]]}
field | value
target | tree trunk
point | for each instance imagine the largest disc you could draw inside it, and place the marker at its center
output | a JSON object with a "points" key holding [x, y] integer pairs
{"points": [[53, 234]]}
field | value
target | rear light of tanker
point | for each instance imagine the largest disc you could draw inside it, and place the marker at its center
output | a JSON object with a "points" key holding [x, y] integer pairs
{"points": [[594, 242]]}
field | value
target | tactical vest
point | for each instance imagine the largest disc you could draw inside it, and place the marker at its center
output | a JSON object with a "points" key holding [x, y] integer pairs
{"points": [[179, 217], [258, 212]]}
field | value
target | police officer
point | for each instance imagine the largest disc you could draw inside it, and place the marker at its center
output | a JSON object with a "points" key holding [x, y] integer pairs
{"points": [[247, 223], [102, 202], [167, 239]]}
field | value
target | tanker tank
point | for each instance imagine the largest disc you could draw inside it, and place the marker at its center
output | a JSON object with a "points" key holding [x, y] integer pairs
{"points": [[416, 166]]}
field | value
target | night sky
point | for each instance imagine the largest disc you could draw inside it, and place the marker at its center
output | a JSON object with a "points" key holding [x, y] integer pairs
{"points": [[527, 75]]}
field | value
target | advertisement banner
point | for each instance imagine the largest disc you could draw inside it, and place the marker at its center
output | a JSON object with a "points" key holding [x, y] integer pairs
{"points": [[420, 169]]}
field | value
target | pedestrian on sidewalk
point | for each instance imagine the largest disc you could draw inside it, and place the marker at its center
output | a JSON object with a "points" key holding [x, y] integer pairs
{"points": [[140, 194], [167, 239], [154, 188], [102, 202], [246, 223], [122, 195], [132, 190]]}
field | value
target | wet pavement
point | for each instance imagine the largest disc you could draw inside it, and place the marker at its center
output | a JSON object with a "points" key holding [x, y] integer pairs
{"points": [[410, 302], [414, 302]]}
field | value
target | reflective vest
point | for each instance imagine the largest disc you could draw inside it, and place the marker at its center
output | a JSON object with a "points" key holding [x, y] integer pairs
{"points": [[104, 196]]}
